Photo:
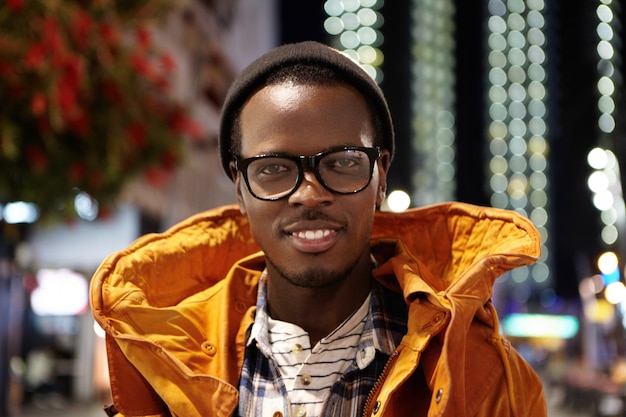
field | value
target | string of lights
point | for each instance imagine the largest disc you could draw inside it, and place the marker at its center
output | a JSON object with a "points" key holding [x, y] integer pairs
{"points": [[517, 112]]}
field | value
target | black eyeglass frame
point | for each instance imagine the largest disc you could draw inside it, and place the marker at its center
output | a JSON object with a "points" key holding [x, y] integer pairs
{"points": [[310, 162]]}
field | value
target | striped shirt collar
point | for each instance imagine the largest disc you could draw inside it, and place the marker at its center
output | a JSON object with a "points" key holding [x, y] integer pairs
{"points": [[375, 333]]}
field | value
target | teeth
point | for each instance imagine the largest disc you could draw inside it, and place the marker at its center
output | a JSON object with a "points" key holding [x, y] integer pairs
{"points": [[312, 234]]}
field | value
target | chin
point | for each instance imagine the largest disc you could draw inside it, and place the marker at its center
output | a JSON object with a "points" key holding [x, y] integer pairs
{"points": [[314, 276]]}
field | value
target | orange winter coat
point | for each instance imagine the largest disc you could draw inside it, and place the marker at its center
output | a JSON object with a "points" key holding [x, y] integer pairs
{"points": [[176, 307]]}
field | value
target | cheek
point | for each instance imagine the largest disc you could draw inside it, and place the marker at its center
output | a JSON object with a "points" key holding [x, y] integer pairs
{"points": [[260, 214]]}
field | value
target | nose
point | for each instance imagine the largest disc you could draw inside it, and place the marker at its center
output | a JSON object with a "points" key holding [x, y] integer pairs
{"points": [[311, 192]]}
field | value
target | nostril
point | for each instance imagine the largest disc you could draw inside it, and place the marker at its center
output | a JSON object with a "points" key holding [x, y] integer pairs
{"points": [[311, 191]]}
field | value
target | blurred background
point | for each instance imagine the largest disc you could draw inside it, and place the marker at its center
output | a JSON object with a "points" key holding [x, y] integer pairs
{"points": [[108, 128]]}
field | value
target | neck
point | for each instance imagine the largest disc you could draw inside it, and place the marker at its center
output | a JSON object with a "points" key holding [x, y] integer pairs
{"points": [[317, 310]]}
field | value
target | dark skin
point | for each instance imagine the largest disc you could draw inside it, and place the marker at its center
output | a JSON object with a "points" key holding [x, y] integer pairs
{"points": [[316, 241]]}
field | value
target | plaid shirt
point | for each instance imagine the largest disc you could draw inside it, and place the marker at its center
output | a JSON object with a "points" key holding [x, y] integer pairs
{"points": [[261, 388]]}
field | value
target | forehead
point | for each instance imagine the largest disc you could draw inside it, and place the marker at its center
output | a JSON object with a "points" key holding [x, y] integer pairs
{"points": [[304, 119]]}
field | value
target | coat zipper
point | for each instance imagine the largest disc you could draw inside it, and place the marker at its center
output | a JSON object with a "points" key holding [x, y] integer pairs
{"points": [[379, 383]]}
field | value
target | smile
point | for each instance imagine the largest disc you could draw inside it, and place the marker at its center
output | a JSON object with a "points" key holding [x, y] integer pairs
{"points": [[312, 234]]}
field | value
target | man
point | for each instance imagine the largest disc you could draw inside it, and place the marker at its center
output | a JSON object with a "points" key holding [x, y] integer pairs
{"points": [[347, 311]]}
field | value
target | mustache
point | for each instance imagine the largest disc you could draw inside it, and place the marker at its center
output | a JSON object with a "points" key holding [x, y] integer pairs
{"points": [[312, 214]]}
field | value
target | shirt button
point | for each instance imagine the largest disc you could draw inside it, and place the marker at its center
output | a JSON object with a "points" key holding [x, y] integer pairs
{"points": [[297, 348], [439, 395], [376, 407], [306, 379], [300, 412], [277, 414]]}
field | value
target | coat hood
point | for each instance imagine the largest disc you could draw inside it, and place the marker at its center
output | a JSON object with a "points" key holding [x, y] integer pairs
{"points": [[448, 244], [449, 240]]}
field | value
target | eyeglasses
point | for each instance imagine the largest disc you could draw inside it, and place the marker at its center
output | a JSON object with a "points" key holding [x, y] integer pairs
{"points": [[342, 170]]}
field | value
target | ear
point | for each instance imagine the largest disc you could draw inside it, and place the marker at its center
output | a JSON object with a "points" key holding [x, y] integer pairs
{"points": [[382, 193], [236, 177], [383, 167]]}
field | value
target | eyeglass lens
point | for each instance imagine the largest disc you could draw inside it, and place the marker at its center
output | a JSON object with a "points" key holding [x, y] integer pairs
{"points": [[343, 171]]}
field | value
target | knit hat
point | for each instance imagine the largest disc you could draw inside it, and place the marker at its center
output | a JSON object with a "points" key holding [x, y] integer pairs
{"points": [[254, 77]]}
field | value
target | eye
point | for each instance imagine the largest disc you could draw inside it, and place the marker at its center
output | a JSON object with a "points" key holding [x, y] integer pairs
{"points": [[270, 168], [345, 160]]}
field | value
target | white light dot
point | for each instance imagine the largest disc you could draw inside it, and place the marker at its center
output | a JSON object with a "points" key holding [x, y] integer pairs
{"points": [[597, 158], [598, 182], [607, 262], [603, 200], [615, 292], [398, 201], [609, 234]]}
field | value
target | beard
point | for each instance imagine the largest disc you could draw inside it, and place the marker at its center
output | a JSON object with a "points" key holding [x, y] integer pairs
{"points": [[313, 278]]}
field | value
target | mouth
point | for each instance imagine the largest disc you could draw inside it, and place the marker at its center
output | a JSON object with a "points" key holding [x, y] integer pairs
{"points": [[313, 238], [312, 234]]}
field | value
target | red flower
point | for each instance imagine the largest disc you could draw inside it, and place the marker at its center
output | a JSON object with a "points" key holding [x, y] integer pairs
{"points": [[167, 62], [184, 125], [110, 34], [142, 65], [51, 36], [34, 55], [77, 171], [137, 135], [143, 37], [68, 86], [15, 5], [36, 158], [67, 97], [5, 69], [80, 123], [161, 83], [111, 91], [73, 71], [169, 159], [81, 27], [156, 177], [38, 104]]}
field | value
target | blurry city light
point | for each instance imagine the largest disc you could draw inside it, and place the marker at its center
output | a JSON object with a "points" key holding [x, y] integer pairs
{"points": [[598, 181], [603, 200], [610, 277], [605, 181], [20, 212], [60, 292], [433, 81], [605, 184], [86, 207], [398, 201], [597, 158], [517, 92], [598, 310], [540, 325], [615, 292], [354, 27], [589, 287], [607, 262]]}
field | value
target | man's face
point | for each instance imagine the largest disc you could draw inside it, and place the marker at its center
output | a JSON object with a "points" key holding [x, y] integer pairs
{"points": [[314, 237]]}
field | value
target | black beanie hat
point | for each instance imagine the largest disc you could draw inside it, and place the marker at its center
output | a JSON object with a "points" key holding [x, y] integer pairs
{"points": [[309, 52]]}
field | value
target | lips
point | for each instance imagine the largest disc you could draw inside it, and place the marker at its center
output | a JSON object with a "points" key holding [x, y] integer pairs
{"points": [[313, 237]]}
